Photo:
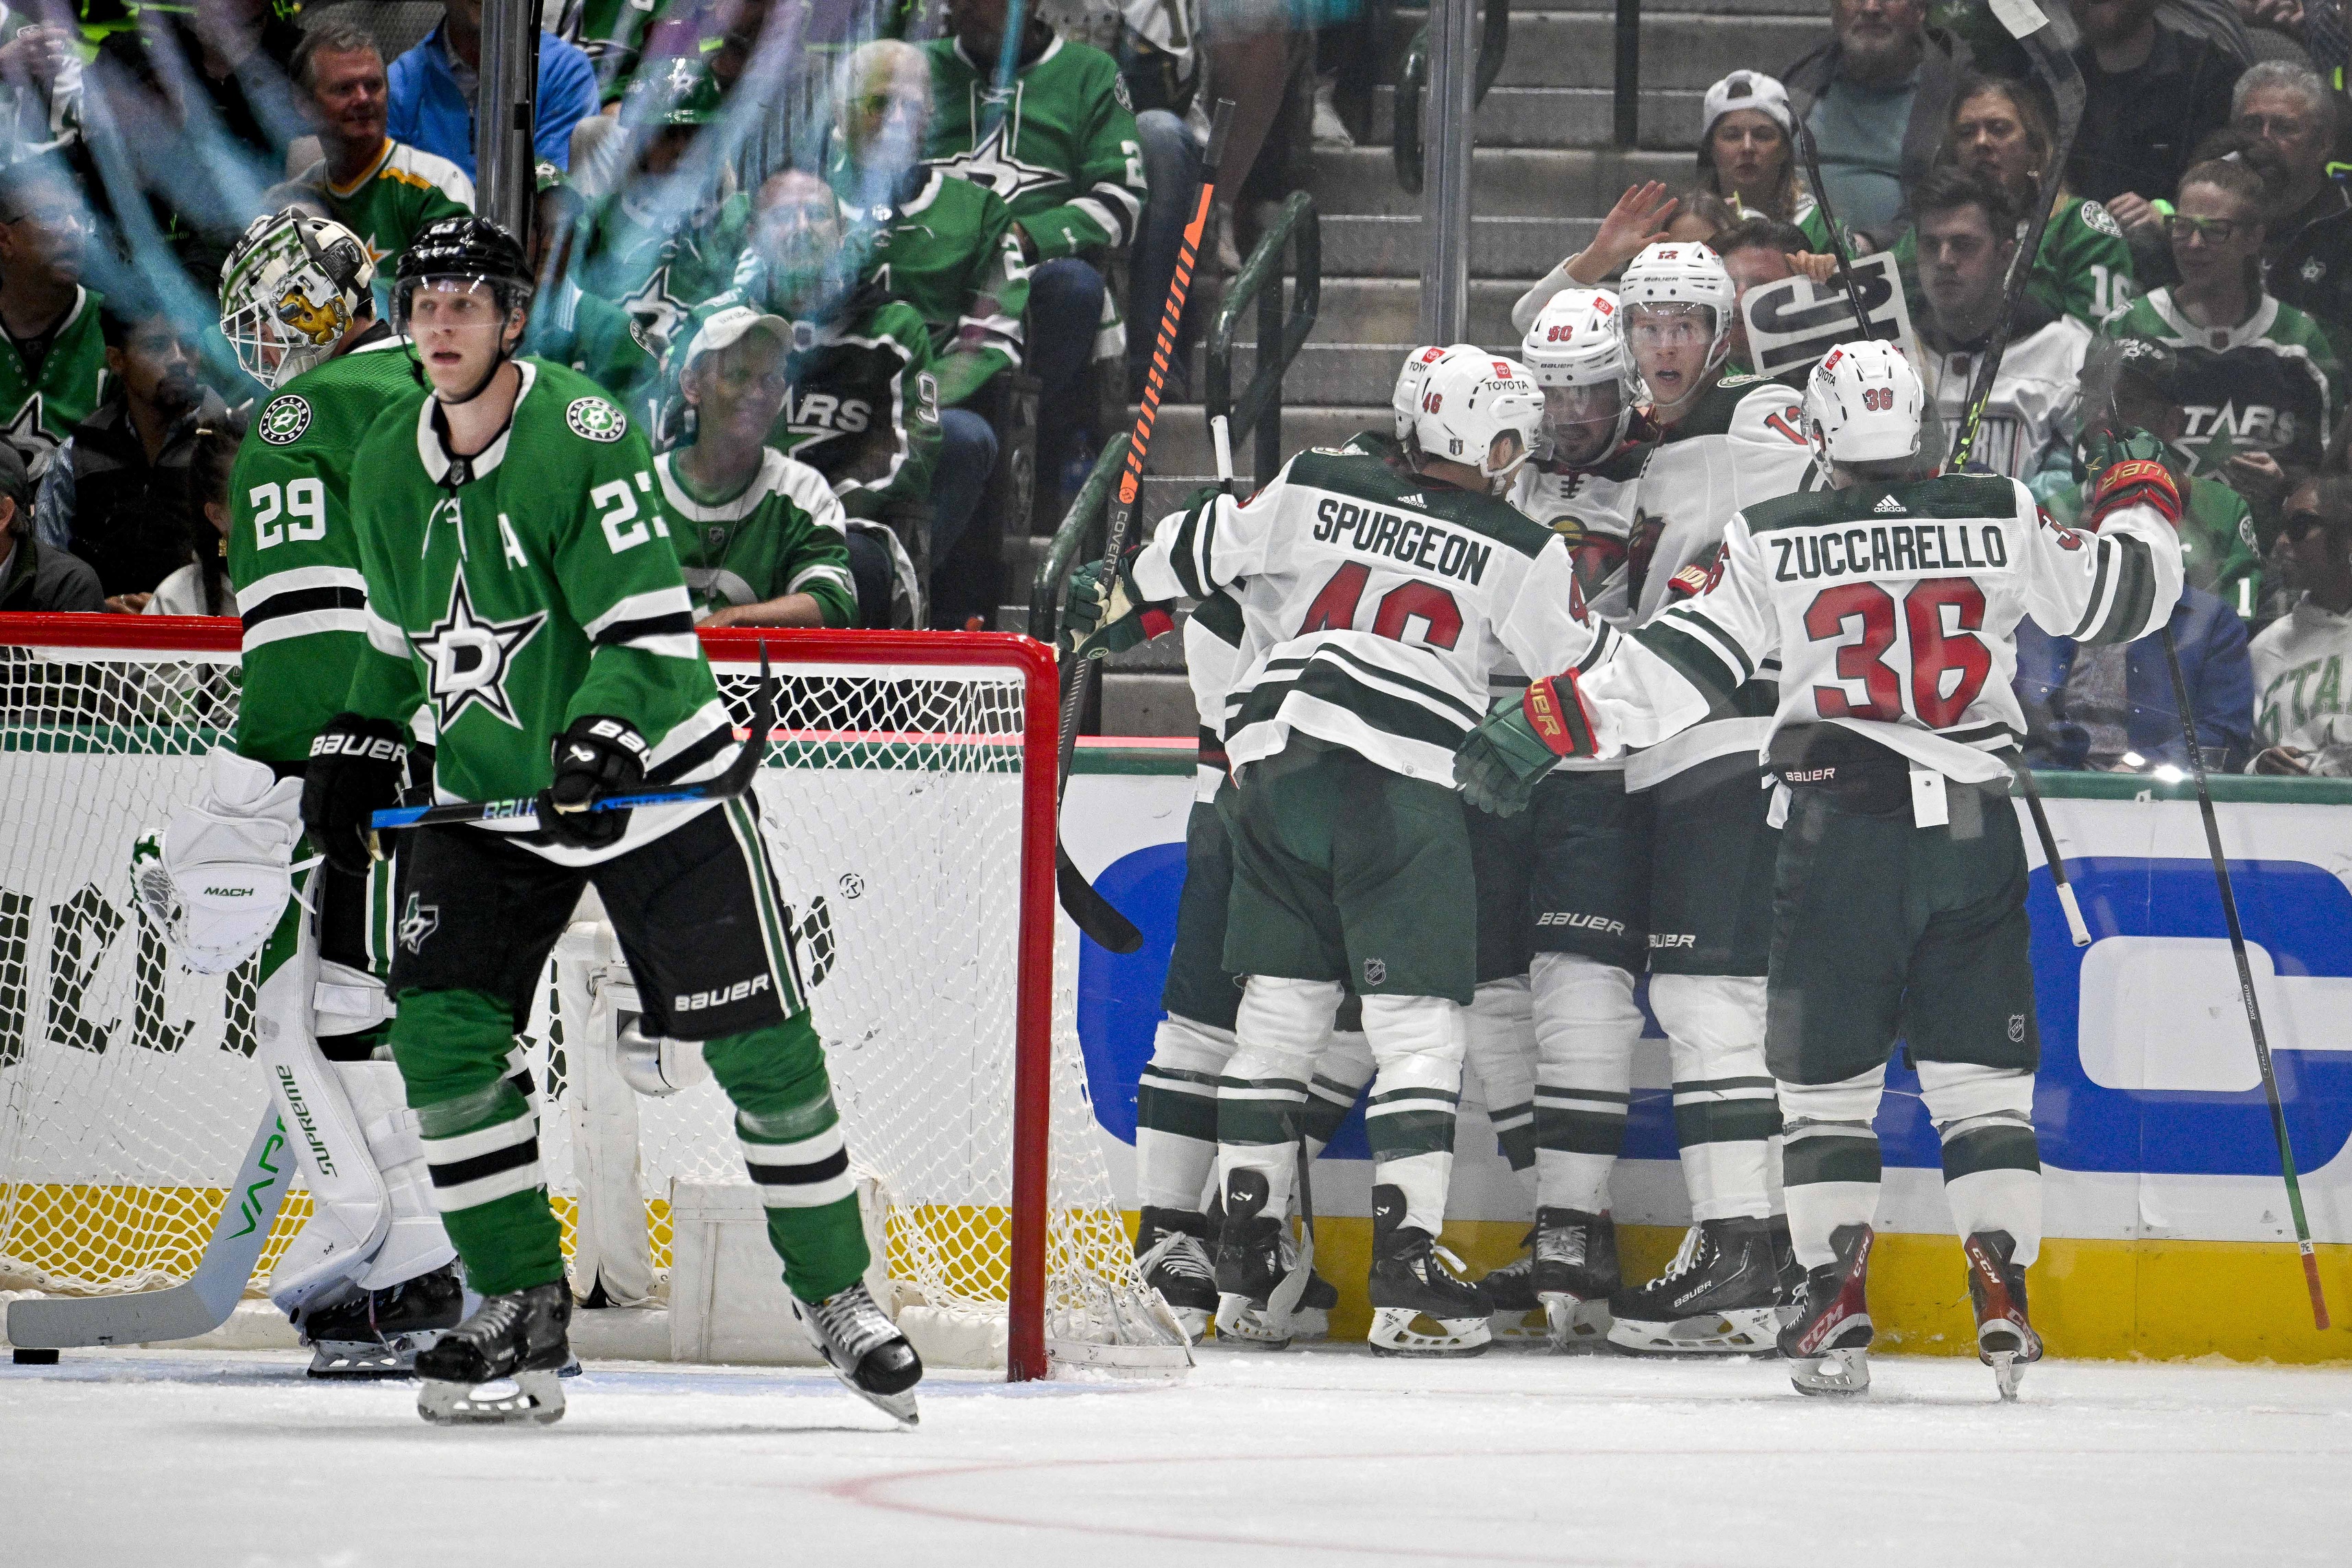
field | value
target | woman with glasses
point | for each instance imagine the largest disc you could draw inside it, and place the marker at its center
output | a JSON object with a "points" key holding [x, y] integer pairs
{"points": [[2257, 378], [2302, 723]]}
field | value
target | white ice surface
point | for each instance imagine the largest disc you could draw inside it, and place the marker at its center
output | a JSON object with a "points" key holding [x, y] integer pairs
{"points": [[157, 1458]]}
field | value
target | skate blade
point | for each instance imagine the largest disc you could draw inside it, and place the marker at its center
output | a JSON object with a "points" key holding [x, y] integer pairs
{"points": [[1193, 1320], [2008, 1372], [1749, 1330], [1393, 1333], [1574, 1324], [899, 1407], [1834, 1374], [364, 1360], [1245, 1323], [1520, 1326], [537, 1401]]}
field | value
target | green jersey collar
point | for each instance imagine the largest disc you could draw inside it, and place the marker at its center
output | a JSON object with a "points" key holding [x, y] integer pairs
{"points": [[767, 482], [437, 458], [2252, 329]]}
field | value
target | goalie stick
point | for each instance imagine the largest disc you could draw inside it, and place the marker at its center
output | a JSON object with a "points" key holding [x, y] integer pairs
{"points": [[2245, 979], [181, 1311], [1088, 909]]}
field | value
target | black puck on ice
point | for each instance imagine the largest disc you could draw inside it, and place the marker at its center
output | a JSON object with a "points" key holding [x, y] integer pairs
{"points": [[36, 1357]]}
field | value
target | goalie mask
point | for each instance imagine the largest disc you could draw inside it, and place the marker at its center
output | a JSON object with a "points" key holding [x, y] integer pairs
{"points": [[1576, 357], [1405, 401], [291, 288], [1863, 404], [1675, 289], [1480, 411]]}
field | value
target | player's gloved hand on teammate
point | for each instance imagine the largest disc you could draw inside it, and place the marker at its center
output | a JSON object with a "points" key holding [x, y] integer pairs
{"points": [[1105, 613], [2127, 468], [1499, 763], [597, 756], [354, 770]]}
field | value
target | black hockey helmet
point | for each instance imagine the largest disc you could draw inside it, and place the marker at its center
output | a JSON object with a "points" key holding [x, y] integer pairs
{"points": [[469, 248]]}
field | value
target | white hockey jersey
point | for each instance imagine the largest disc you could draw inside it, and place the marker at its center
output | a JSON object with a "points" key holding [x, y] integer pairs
{"points": [[1375, 604], [1892, 610], [2299, 698], [1742, 442], [1592, 512], [2030, 415]]}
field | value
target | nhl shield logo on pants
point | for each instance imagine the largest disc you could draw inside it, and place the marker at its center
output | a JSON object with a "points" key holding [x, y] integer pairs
{"points": [[1375, 970]]}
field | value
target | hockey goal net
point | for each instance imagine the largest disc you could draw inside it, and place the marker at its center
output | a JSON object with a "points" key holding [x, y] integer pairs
{"points": [[908, 801]]}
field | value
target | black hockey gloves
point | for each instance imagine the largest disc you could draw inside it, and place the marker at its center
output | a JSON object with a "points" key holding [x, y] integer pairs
{"points": [[596, 757], [355, 769]]}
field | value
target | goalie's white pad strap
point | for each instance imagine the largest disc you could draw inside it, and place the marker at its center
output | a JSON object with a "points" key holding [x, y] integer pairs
{"points": [[219, 882], [348, 1001]]}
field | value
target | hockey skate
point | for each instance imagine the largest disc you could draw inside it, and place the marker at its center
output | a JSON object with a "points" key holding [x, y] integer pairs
{"points": [[2005, 1339], [1828, 1346], [378, 1333], [1720, 1296], [517, 1338], [1575, 1275], [1311, 1318], [1412, 1280], [865, 1349], [1510, 1293], [1249, 1265], [1791, 1272], [1171, 1251]]}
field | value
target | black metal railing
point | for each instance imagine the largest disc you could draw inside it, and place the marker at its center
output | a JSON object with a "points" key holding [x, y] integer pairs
{"points": [[1412, 78], [1079, 538], [1259, 407]]}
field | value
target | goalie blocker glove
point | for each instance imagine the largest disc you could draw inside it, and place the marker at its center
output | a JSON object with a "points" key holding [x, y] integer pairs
{"points": [[355, 770], [1499, 763], [597, 756]]}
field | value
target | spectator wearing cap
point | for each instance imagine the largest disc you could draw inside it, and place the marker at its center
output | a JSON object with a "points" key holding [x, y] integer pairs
{"points": [[1876, 97], [2286, 119], [1747, 154], [434, 87], [382, 190], [34, 575], [52, 351], [2153, 93]]}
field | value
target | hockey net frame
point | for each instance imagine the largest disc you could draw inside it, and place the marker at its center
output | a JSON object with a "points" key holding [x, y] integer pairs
{"points": [[1067, 1275]]}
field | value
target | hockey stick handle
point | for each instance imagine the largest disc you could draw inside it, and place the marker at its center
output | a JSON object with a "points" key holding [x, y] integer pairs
{"points": [[2245, 979], [2075, 928], [1221, 439], [1812, 160]]}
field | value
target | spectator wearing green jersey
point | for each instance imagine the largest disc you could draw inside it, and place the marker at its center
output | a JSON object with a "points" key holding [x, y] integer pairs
{"points": [[583, 331], [379, 189], [763, 540], [52, 352]]}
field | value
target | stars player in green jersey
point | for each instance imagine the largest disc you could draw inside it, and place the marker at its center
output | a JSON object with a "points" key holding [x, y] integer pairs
{"points": [[521, 579]]}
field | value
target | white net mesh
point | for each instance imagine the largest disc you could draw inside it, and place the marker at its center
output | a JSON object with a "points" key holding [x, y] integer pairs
{"points": [[892, 806]]}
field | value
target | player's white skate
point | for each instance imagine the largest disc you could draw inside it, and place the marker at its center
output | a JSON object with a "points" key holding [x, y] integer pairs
{"points": [[518, 1339], [1249, 1266], [1575, 1275], [379, 1333], [1171, 1250], [1720, 1296], [865, 1349], [1413, 1280], [1828, 1346], [2005, 1339]]}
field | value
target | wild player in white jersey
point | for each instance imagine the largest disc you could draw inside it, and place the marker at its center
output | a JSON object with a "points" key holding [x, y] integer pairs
{"points": [[1892, 600], [1374, 605], [1726, 442]]}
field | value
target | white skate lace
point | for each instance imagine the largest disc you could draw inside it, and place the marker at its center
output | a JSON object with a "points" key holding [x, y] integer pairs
{"points": [[851, 1323], [1180, 1253], [1561, 1244], [1687, 1258], [492, 1321]]}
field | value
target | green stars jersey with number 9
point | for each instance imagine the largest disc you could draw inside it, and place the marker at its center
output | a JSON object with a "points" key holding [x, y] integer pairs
{"points": [[292, 557]]}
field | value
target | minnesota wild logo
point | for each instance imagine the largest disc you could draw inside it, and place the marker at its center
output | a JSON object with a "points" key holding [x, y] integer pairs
{"points": [[283, 422], [596, 419]]}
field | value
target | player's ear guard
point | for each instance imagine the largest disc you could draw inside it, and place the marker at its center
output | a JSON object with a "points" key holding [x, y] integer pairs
{"points": [[2134, 481], [1499, 763]]}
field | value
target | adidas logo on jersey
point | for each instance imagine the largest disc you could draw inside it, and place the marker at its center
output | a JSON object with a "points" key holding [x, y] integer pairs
{"points": [[1889, 505], [1414, 499]]}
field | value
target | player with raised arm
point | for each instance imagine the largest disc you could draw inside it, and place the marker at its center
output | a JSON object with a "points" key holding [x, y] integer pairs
{"points": [[371, 1277], [1373, 602], [520, 579], [1724, 442], [1892, 600]]}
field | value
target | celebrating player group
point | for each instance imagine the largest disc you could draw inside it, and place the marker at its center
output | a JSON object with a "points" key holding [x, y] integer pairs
{"points": [[1606, 662]]}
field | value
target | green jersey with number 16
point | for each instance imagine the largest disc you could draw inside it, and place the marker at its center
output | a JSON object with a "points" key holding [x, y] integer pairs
{"points": [[525, 587], [293, 556]]}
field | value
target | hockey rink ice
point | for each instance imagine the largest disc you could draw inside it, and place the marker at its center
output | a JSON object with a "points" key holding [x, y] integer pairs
{"points": [[1324, 1455]]}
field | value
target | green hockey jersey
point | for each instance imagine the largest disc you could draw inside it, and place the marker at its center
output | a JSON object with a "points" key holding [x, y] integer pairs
{"points": [[784, 534], [293, 550], [405, 189], [948, 249], [44, 402], [2267, 384], [658, 264], [1064, 155], [530, 586], [593, 336]]}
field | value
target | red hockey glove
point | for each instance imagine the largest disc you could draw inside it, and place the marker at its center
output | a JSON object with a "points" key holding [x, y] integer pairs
{"points": [[2135, 482]]}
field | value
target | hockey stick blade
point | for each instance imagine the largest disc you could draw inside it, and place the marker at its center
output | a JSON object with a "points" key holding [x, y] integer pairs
{"points": [[726, 786], [185, 1311], [1282, 1301], [1089, 910], [2075, 928]]}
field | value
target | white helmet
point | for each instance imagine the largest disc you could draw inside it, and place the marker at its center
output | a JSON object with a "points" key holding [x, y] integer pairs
{"points": [[1470, 400], [291, 288], [1573, 346], [1677, 272], [1862, 405], [1406, 399]]}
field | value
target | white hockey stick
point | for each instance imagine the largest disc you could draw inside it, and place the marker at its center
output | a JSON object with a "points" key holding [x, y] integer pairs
{"points": [[181, 1311]]}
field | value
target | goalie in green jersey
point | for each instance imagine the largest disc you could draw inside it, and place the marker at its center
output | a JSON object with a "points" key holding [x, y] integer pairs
{"points": [[521, 578]]}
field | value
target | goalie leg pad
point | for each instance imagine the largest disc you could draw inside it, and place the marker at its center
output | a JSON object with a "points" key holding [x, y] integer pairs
{"points": [[1725, 1111], [1830, 1160], [1418, 1043], [1993, 1165], [1176, 1113], [1585, 1027]]}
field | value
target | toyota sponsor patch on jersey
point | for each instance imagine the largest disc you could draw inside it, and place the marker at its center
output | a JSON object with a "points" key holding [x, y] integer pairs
{"points": [[284, 420], [594, 419]]}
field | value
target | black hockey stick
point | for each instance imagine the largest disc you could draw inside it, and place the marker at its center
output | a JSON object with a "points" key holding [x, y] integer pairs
{"points": [[726, 786], [1283, 1300], [1091, 911], [2075, 928], [1811, 157], [2245, 979]]}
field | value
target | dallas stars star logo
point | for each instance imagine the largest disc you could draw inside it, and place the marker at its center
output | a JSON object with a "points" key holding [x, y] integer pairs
{"points": [[31, 439], [469, 657], [655, 313], [992, 167]]}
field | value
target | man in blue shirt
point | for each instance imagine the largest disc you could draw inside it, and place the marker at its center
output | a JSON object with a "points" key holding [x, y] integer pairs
{"points": [[434, 84], [1876, 96]]}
